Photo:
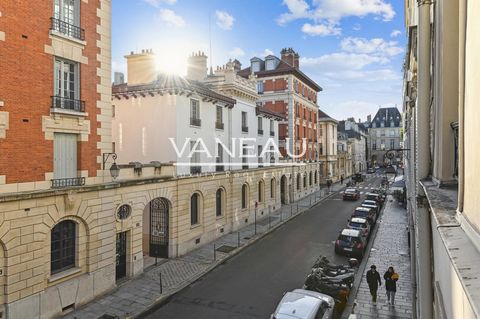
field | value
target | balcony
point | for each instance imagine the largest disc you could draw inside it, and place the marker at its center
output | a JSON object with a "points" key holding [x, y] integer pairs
{"points": [[195, 122], [219, 168], [245, 129], [219, 125], [68, 182], [260, 131], [195, 169], [260, 162], [59, 102], [67, 29], [272, 133]]}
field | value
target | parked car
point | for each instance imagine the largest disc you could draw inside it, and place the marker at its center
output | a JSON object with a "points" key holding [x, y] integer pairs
{"points": [[351, 242], [304, 304], [371, 170], [375, 197], [351, 194], [373, 205], [360, 224], [365, 212]]}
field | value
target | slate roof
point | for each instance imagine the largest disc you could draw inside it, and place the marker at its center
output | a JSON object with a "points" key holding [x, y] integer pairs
{"points": [[173, 84], [387, 115], [281, 69]]}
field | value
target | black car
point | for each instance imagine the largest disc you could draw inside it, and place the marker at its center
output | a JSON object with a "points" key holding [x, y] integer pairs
{"points": [[351, 194]]}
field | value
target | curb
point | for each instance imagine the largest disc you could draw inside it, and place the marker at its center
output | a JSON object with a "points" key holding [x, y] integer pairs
{"points": [[158, 303]]}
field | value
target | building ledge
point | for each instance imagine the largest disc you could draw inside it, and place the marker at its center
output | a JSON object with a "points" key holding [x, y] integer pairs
{"points": [[461, 249]]}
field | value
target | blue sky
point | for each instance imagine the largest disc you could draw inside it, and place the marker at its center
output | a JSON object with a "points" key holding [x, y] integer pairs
{"points": [[354, 49]]}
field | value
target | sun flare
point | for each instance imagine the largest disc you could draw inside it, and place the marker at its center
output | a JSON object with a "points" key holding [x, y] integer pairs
{"points": [[172, 62]]}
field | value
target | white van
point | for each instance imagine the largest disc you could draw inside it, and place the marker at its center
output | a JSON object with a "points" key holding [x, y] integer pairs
{"points": [[304, 304]]}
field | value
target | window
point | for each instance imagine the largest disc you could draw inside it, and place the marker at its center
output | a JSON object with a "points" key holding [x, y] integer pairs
{"points": [[392, 132], [195, 159], [219, 121], [272, 128], [305, 180], [260, 191], [298, 181], [260, 125], [272, 188], [67, 86], [316, 178], [195, 113], [310, 179], [374, 145], [392, 144], [194, 208], [65, 156], [219, 167], [66, 18], [63, 243], [271, 154], [124, 211], [260, 87], [374, 125], [244, 122], [298, 132], [260, 159], [244, 157], [382, 144], [244, 196], [321, 131], [256, 66], [219, 202], [320, 149]]}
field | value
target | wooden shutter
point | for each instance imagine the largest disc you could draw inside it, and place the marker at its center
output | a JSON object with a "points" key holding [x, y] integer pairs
{"points": [[65, 155]]}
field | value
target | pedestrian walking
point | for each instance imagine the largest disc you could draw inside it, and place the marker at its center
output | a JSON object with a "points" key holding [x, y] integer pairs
{"points": [[341, 179], [373, 280], [391, 278]]}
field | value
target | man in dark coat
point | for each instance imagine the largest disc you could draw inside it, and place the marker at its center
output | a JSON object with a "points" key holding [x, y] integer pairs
{"points": [[373, 280], [391, 278]]}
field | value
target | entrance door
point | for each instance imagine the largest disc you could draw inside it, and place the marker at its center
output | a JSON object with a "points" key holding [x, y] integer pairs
{"points": [[159, 228], [283, 190], [121, 256]]}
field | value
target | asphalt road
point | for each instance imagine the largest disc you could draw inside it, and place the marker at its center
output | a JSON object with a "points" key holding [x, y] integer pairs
{"points": [[251, 284]]}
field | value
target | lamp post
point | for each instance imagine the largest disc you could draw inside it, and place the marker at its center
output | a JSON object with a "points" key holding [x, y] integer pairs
{"points": [[114, 169]]}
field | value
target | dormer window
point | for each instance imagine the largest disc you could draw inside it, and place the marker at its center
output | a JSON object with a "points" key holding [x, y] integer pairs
{"points": [[382, 124], [256, 66]]}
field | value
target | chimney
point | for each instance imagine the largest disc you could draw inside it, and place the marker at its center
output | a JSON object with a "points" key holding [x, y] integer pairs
{"points": [[197, 66], [369, 118], [291, 57], [237, 66], [141, 67]]}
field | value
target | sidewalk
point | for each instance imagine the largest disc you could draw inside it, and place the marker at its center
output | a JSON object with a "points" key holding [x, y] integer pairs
{"points": [[390, 248], [139, 294]]}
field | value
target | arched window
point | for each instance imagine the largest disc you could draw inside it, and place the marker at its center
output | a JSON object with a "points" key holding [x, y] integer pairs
{"points": [[298, 181], [310, 179], [194, 208], [260, 191], [244, 196], [316, 177], [305, 180], [219, 199], [272, 188], [63, 243]]}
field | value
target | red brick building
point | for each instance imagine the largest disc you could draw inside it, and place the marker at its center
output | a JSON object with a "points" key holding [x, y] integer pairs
{"points": [[54, 93], [285, 89]]}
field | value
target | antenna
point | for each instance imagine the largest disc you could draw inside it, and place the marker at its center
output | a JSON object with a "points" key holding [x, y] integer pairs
{"points": [[210, 39]]}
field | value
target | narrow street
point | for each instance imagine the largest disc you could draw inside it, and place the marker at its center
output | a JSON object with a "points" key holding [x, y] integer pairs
{"points": [[252, 283]]}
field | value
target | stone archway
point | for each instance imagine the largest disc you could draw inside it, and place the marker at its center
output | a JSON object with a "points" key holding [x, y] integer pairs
{"points": [[156, 234], [284, 190]]}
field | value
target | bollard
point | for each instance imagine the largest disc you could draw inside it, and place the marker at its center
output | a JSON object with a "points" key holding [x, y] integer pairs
{"points": [[214, 252], [160, 279]]}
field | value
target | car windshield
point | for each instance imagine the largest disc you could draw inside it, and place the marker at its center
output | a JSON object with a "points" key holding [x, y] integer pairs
{"points": [[348, 239], [356, 225], [360, 213], [372, 197], [350, 190]]}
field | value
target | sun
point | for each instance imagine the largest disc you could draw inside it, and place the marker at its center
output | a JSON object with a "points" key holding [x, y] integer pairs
{"points": [[171, 62]]}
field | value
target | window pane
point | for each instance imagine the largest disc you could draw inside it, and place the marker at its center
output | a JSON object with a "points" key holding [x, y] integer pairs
{"points": [[63, 237]]}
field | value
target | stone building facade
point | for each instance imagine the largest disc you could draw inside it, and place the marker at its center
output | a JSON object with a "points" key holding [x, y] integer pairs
{"points": [[327, 149], [385, 133], [441, 119]]}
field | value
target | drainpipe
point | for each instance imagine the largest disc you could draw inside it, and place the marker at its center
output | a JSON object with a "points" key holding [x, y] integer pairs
{"points": [[422, 152], [462, 20]]}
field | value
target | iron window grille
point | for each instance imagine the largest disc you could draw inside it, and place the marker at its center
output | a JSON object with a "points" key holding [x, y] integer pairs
{"points": [[68, 182], [63, 238], [60, 102], [67, 29]]}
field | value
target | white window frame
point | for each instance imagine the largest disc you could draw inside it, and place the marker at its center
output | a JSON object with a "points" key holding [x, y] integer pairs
{"points": [[61, 67]]}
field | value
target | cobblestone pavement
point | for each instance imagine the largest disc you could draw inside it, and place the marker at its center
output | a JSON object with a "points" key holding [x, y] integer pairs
{"points": [[390, 248], [140, 293]]}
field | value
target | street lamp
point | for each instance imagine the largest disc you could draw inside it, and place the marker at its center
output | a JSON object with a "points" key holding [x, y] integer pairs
{"points": [[114, 169]]}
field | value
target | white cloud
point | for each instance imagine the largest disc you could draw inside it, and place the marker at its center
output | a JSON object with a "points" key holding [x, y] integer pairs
{"points": [[326, 14], [340, 61], [266, 52], [376, 46], [236, 53], [321, 29], [224, 20], [356, 27], [395, 33], [157, 3], [171, 18], [297, 9], [336, 10]]}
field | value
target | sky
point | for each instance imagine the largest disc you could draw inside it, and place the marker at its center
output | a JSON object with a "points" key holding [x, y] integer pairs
{"points": [[353, 49]]}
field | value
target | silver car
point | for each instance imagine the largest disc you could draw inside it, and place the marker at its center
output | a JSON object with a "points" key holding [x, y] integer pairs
{"points": [[304, 304]]}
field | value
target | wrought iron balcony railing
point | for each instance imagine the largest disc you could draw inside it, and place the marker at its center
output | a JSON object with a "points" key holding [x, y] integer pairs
{"points": [[68, 182], [195, 121], [67, 29], [195, 169], [272, 133], [219, 125], [59, 102], [245, 129], [260, 132]]}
